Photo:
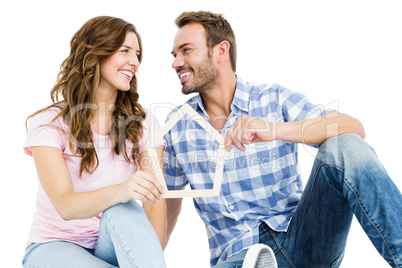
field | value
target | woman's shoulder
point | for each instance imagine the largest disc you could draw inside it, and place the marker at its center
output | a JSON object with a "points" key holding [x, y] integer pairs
{"points": [[46, 128], [50, 115]]}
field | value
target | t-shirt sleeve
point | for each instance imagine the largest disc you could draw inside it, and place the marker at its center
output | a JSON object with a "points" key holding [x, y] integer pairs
{"points": [[151, 127], [44, 131]]}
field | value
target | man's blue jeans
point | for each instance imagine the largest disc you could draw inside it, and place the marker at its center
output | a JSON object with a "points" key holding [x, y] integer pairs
{"points": [[126, 239], [347, 178]]}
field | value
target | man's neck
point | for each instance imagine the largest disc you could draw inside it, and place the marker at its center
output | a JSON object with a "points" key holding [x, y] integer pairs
{"points": [[217, 101]]}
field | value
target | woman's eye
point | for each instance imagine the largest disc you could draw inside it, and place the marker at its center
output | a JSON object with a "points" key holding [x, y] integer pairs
{"points": [[124, 51]]}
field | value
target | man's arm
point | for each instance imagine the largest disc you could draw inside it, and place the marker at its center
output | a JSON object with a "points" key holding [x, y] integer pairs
{"points": [[173, 211], [319, 129], [248, 130]]}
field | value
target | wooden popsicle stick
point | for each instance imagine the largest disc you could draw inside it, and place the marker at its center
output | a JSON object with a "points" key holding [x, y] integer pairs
{"points": [[157, 169], [219, 169], [215, 191]]}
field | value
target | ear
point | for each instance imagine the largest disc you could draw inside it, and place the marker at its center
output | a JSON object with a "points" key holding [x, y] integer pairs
{"points": [[222, 51]]}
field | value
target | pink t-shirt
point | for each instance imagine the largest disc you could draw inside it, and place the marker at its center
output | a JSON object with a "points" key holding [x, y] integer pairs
{"points": [[47, 224]]}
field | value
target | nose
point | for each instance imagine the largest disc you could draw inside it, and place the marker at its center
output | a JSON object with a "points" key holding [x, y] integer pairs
{"points": [[134, 62], [178, 62]]}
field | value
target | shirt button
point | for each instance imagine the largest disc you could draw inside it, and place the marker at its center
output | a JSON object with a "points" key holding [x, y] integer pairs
{"points": [[231, 207]]}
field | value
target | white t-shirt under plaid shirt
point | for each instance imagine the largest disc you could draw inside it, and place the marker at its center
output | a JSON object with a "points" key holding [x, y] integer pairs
{"points": [[262, 184]]}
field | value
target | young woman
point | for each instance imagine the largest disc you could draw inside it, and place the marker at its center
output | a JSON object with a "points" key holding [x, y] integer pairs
{"points": [[92, 162]]}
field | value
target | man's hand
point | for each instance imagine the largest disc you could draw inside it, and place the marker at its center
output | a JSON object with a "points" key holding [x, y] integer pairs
{"points": [[247, 130]]}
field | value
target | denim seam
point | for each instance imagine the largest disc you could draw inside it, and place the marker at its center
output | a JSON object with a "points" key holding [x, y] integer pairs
{"points": [[120, 241], [287, 239], [372, 223], [26, 265], [281, 248], [25, 262], [336, 260], [275, 240]]}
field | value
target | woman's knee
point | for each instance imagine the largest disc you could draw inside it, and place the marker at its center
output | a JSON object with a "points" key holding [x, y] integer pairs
{"points": [[125, 211], [125, 215]]}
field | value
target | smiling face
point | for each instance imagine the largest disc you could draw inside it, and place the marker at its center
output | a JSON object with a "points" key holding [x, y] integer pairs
{"points": [[193, 62], [118, 70]]}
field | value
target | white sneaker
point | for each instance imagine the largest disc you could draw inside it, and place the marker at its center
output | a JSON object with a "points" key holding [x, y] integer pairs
{"points": [[260, 256]]}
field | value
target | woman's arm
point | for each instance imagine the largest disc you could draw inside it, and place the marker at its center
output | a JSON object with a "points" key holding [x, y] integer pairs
{"points": [[156, 212], [56, 182]]}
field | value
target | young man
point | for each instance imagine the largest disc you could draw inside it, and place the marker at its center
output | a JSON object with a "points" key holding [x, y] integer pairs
{"points": [[262, 201]]}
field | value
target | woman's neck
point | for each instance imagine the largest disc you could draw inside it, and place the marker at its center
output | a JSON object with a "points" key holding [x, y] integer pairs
{"points": [[102, 120]]}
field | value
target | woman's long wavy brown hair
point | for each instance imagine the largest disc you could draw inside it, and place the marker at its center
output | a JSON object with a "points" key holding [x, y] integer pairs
{"points": [[78, 81]]}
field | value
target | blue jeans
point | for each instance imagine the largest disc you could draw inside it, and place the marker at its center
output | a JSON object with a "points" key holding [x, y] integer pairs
{"points": [[126, 239], [347, 178]]}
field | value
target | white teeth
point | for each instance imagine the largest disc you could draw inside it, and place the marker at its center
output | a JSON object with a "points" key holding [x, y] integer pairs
{"points": [[126, 73], [184, 75]]}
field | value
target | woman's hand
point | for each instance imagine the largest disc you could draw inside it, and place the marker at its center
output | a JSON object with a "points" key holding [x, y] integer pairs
{"points": [[141, 186]]}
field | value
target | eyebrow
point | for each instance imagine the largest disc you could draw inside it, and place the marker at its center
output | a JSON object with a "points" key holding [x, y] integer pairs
{"points": [[180, 47]]}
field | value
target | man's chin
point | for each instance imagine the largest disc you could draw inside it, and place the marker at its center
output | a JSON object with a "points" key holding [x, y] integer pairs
{"points": [[187, 91]]}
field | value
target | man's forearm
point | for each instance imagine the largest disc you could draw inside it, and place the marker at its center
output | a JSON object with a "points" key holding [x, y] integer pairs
{"points": [[156, 214], [319, 129], [173, 211]]}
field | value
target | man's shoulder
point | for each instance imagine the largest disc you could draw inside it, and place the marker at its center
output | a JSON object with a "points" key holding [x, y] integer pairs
{"points": [[254, 86], [256, 91]]}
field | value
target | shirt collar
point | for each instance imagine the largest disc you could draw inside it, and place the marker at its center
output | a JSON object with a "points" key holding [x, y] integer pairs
{"points": [[241, 98]]}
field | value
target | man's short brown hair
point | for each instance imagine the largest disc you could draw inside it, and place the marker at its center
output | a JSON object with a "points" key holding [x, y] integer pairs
{"points": [[217, 29]]}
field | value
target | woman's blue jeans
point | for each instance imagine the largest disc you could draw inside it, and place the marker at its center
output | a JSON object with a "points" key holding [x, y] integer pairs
{"points": [[126, 239], [347, 178]]}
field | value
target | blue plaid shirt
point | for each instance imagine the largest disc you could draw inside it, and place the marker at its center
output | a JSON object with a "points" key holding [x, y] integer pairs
{"points": [[262, 184]]}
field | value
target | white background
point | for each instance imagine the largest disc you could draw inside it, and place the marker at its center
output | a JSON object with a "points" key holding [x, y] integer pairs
{"points": [[343, 53]]}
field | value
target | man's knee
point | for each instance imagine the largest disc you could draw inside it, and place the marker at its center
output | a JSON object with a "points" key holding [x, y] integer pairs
{"points": [[350, 146], [349, 152], [348, 141]]}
